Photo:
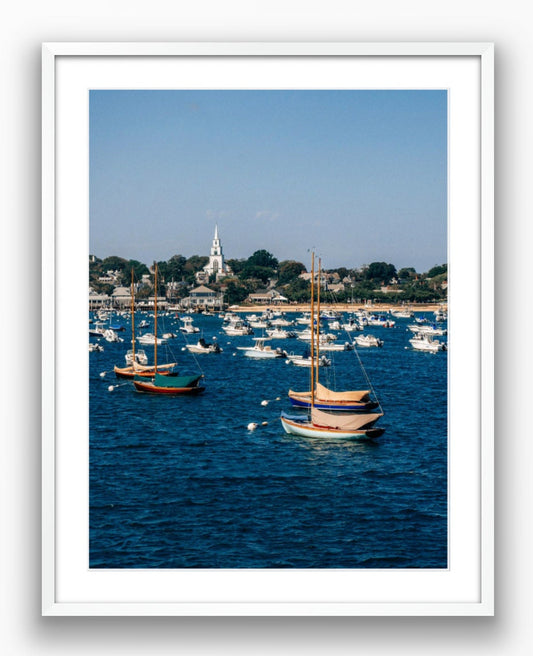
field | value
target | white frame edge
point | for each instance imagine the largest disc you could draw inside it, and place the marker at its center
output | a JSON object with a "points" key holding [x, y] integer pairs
{"points": [[50, 606]]}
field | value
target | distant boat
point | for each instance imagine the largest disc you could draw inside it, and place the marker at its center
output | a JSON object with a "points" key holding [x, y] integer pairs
{"points": [[203, 347], [368, 340], [261, 350], [136, 359], [279, 333], [238, 327], [188, 326], [171, 384], [427, 329], [325, 422], [425, 342]]}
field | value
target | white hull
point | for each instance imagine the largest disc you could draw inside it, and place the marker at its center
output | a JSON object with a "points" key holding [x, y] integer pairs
{"points": [[368, 340], [429, 346], [308, 430]]}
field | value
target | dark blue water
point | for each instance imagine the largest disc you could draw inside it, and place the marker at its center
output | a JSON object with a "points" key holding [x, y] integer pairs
{"points": [[178, 482]]}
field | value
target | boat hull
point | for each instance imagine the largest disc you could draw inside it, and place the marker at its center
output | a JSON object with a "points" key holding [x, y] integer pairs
{"points": [[150, 388], [306, 429]]}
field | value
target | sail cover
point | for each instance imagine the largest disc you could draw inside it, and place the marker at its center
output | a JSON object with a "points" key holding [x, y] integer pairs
{"points": [[344, 421], [325, 394]]}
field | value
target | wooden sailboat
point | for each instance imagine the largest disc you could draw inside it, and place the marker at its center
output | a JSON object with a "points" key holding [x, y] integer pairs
{"points": [[136, 360], [323, 423], [172, 384]]}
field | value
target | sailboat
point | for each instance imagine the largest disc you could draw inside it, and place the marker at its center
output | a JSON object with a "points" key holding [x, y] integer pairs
{"points": [[136, 359], [332, 415], [172, 384]]}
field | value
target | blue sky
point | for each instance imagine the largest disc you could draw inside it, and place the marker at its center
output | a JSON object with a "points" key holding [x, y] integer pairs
{"points": [[360, 176]]}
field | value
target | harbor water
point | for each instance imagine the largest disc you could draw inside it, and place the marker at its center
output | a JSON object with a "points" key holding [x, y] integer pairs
{"points": [[182, 482]]}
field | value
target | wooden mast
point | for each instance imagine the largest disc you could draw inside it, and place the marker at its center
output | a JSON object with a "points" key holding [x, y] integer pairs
{"points": [[318, 322], [312, 330], [155, 319], [132, 324]]}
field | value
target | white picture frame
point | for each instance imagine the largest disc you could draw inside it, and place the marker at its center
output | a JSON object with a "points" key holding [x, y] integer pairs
{"points": [[467, 586]]}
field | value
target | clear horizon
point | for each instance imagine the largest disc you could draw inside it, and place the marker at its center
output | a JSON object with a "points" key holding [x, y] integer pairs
{"points": [[358, 176]]}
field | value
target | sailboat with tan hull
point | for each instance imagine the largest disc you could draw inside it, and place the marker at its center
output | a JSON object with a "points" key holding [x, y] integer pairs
{"points": [[331, 415], [136, 359]]}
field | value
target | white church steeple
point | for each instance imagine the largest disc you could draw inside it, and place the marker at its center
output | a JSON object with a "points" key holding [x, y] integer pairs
{"points": [[216, 265]]}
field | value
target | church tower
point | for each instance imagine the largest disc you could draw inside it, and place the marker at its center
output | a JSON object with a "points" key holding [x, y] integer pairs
{"points": [[216, 265]]}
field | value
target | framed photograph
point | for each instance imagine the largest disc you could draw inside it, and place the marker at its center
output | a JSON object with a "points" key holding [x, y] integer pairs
{"points": [[240, 224]]}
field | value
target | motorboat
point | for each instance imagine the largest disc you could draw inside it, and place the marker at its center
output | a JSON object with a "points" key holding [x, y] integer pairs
{"points": [[368, 340], [424, 342], [262, 350]]}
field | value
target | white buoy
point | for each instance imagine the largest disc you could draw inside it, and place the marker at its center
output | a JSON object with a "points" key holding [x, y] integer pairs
{"points": [[110, 388], [252, 426], [264, 402], [264, 423], [103, 373], [278, 398], [183, 348]]}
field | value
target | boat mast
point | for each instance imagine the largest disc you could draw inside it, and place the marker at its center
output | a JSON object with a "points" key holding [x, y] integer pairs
{"points": [[318, 320], [132, 323], [312, 330], [155, 319]]}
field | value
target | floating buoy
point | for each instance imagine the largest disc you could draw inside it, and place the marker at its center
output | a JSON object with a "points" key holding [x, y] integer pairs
{"points": [[264, 402], [252, 426], [264, 423], [183, 348], [110, 388], [103, 373]]}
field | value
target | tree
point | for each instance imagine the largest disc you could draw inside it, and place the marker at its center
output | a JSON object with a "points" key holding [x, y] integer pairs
{"points": [[406, 273], [176, 268], [236, 265], [262, 258], [195, 263], [437, 270], [298, 290], [114, 263], [258, 272], [235, 293], [139, 269], [289, 270], [380, 271]]}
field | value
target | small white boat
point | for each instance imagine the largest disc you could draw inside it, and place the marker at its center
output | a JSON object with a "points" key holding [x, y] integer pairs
{"points": [[262, 350], [423, 342], [305, 361], [188, 326], [368, 340], [238, 328], [140, 357], [351, 326], [403, 314], [111, 336], [379, 320], [279, 333], [304, 320], [203, 347], [280, 321], [427, 329], [331, 346], [149, 339]]}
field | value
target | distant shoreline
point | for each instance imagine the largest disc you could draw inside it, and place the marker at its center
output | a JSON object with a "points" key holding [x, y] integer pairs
{"points": [[341, 307]]}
